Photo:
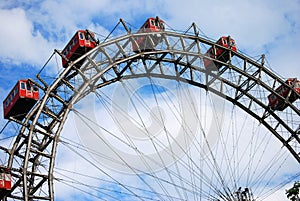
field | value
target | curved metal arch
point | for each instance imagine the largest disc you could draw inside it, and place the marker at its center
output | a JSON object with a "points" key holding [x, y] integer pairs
{"points": [[114, 60], [234, 99]]}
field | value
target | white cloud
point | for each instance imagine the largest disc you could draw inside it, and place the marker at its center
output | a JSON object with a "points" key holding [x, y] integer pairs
{"points": [[257, 26], [283, 56], [19, 42], [279, 195]]}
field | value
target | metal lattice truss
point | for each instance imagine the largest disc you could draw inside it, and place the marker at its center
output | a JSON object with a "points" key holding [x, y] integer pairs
{"points": [[245, 82]]}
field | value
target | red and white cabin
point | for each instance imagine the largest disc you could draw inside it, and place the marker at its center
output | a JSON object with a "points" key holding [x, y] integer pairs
{"points": [[219, 53], [276, 103], [20, 100], [5, 179], [81, 43], [142, 42]]}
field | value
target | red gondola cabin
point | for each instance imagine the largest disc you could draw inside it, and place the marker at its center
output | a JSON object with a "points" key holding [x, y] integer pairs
{"points": [[276, 103], [81, 43], [219, 53], [20, 100], [144, 42], [5, 180]]}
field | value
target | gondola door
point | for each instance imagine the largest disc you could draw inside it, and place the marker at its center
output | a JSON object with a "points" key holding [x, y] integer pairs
{"points": [[29, 93]]}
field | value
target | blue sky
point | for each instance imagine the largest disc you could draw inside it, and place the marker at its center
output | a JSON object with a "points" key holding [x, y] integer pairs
{"points": [[31, 30]]}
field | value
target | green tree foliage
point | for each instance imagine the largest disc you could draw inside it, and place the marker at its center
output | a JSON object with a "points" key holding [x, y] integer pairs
{"points": [[293, 193]]}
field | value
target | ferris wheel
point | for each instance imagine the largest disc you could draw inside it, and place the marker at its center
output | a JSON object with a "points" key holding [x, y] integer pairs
{"points": [[153, 115]]}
